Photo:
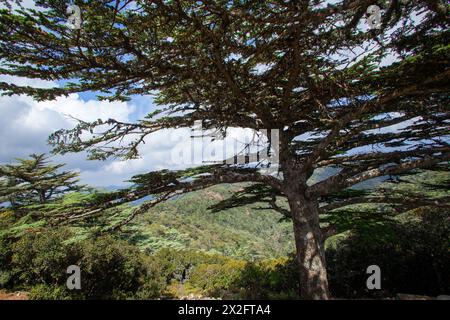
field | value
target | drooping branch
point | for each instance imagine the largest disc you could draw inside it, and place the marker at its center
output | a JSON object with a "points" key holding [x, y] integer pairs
{"points": [[353, 176], [165, 184]]}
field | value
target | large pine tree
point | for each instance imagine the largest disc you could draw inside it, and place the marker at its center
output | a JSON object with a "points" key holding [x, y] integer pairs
{"points": [[306, 68]]}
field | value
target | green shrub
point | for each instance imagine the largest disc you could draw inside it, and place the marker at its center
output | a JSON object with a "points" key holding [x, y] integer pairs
{"points": [[218, 279], [266, 279], [177, 265], [415, 261], [6, 276], [110, 269], [49, 292], [270, 279], [114, 269], [43, 258]]}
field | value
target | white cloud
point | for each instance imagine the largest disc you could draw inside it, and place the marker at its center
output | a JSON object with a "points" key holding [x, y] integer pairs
{"points": [[25, 125]]}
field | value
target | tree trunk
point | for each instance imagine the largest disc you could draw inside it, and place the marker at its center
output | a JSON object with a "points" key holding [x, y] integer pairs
{"points": [[309, 246], [42, 196]]}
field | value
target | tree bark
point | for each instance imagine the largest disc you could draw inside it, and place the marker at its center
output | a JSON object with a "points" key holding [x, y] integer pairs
{"points": [[309, 246], [42, 196]]}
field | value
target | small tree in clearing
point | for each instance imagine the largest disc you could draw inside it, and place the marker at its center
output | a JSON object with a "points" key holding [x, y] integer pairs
{"points": [[34, 180]]}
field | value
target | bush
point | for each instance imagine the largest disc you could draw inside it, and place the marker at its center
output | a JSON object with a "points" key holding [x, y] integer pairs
{"points": [[114, 269], [216, 280], [414, 260], [110, 269], [177, 265], [271, 279], [43, 258], [48, 292], [266, 279], [6, 276]]}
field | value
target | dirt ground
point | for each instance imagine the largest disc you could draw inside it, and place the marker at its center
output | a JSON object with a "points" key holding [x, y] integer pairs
{"points": [[13, 295]]}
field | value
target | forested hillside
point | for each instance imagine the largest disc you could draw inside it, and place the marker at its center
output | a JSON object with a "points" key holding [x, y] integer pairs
{"points": [[251, 232], [194, 221]]}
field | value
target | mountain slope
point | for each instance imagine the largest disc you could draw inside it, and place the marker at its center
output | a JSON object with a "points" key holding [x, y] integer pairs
{"points": [[188, 222]]}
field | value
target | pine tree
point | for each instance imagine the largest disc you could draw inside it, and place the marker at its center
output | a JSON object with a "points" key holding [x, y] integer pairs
{"points": [[34, 181], [305, 68]]}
